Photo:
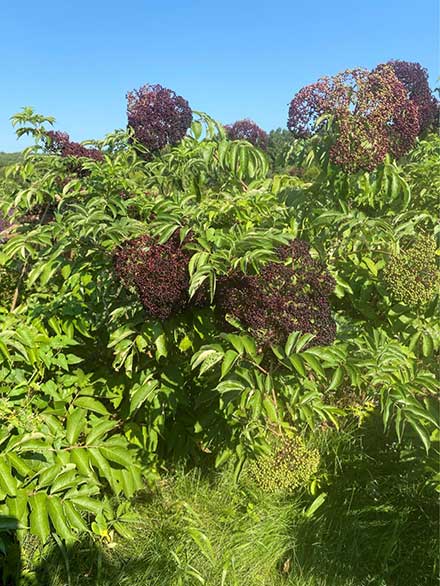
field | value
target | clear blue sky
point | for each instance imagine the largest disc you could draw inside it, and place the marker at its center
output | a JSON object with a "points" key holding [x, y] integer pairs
{"points": [[76, 59]]}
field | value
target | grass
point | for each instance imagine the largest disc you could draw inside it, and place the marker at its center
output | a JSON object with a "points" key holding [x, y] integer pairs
{"points": [[378, 526]]}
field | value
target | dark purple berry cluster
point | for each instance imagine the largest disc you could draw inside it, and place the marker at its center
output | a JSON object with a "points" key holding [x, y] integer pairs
{"points": [[59, 143], [415, 79], [158, 116], [371, 111], [247, 130], [286, 296], [159, 273]]}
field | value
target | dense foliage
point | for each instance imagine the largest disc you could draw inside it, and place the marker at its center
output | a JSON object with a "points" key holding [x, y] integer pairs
{"points": [[189, 306]]}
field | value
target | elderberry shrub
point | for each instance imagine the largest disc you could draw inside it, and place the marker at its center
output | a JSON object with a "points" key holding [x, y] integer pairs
{"points": [[290, 465], [286, 296], [158, 272], [247, 130], [157, 116], [412, 276]]}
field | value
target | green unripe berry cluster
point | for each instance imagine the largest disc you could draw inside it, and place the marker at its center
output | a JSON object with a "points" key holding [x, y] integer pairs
{"points": [[290, 465], [412, 277]]}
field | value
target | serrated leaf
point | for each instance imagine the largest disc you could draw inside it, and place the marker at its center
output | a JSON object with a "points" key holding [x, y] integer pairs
{"points": [[228, 362], [74, 518], [270, 410], [76, 421], [39, 519], [145, 392], [58, 519], [91, 404]]}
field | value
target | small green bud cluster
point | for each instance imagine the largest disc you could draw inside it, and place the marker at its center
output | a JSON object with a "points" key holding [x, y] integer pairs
{"points": [[412, 277], [290, 465]]}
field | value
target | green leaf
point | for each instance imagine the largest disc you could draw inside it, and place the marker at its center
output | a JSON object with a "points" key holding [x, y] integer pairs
{"points": [[58, 519], [270, 409], [223, 457], [318, 502], [90, 404], [313, 363], [421, 432], [99, 430], [88, 504], [291, 342], [228, 362], [298, 364], [161, 346], [39, 519], [337, 377], [74, 518], [371, 265], [427, 345], [7, 481], [76, 421], [144, 392]]}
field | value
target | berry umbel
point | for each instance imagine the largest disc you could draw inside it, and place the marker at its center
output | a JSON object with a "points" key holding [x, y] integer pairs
{"points": [[369, 114], [158, 116]]}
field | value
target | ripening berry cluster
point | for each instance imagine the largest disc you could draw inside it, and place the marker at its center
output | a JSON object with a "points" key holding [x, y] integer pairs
{"points": [[158, 116], [59, 143], [413, 277], [290, 465], [159, 273], [371, 112], [415, 79], [247, 130], [286, 296]]}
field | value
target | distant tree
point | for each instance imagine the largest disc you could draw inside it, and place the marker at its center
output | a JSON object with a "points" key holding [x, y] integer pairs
{"points": [[281, 146], [9, 159]]}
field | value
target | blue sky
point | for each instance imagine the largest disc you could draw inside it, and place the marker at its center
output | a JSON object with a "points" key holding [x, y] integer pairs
{"points": [[75, 60]]}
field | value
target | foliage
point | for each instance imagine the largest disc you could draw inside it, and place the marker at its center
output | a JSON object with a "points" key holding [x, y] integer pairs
{"points": [[377, 525]]}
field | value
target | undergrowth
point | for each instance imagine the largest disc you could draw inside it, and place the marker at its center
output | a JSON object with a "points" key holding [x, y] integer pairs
{"points": [[377, 526]]}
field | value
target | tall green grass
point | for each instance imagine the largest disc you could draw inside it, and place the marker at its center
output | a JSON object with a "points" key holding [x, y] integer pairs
{"points": [[378, 526]]}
